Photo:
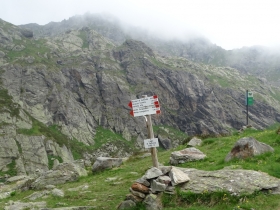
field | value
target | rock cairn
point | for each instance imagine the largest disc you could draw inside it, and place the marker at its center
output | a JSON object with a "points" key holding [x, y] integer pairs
{"points": [[148, 188]]}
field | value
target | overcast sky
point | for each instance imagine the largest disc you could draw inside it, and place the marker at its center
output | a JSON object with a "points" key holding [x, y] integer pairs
{"points": [[227, 23]]}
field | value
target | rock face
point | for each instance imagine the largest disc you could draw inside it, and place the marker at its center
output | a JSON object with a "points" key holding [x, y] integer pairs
{"points": [[79, 80], [186, 155], [27, 33], [29, 153], [165, 142], [248, 147]]}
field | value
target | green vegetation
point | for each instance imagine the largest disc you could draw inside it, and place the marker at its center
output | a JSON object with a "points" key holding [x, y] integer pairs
{"points": [[11, 170], [160, 64], [35, 48], [83, 36], [52, 132], [172, 133], [19, 147], [217, 149], [77, 148], [276, 94], [51, 159], [222, 81], [219, 200], [106, 194], [7, 104]]}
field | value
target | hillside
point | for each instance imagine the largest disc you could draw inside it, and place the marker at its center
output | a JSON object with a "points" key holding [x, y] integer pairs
{"points": [[105, 190], [262, 62], [68, 93]]}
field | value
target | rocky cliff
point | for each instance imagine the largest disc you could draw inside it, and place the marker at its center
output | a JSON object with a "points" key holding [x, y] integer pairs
{"points": [[61, 89], [260, 61]]}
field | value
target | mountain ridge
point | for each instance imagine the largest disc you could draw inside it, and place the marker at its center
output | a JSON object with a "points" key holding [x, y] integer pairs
{"points": [[78, 81], [257, 60]]}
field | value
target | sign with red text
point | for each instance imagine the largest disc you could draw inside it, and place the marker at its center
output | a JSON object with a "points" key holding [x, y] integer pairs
{"points": [[144, 106]]}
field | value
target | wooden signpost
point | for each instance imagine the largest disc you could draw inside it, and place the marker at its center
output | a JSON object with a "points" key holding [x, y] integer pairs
{"points": [[145, 107]]}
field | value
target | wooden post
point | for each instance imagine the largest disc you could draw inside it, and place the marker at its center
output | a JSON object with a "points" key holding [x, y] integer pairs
{"points": [[151, 136]]}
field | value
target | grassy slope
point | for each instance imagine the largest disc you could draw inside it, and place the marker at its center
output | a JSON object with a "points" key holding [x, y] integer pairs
{"points": [[104, 194]]}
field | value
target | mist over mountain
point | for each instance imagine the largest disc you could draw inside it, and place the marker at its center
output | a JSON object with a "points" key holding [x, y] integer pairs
{"points": [[257, 60]]}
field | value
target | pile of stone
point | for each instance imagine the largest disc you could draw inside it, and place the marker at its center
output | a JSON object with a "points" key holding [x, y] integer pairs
{"points": [[149, 187]]}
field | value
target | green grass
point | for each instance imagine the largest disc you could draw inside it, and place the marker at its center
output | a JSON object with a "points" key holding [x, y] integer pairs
{"points": [[7, 104], [220, 200], [172, 133], [54, 133], [222, 81], [268, 162], [51, 160], [32, 48], [276, 94], [108, 194], [11, 170], [83, 36]]}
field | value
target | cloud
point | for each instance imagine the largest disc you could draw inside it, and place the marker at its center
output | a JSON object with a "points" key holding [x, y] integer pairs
{"points": [[230, 24]]}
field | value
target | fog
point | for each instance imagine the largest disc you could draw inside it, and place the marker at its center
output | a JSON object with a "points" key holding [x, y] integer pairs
{"points": [[229, 24]]}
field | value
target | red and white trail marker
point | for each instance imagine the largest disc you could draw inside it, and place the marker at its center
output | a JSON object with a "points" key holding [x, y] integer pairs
{"points": [[144, 106], [148, 101], [147, 106]]}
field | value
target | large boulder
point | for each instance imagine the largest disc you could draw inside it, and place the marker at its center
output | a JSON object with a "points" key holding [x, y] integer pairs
{"points": [[62, 173], [77, 167], [165, 142], [54, 178], [103, 163], [234, 181], [186, 155], [195, 142], [247, 147]]}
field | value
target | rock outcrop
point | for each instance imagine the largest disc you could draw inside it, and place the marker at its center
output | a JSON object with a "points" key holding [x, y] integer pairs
{"points": [[62, 173], [186, 155], [236, 182], [247, 147], [194, 142], [103, 163]]}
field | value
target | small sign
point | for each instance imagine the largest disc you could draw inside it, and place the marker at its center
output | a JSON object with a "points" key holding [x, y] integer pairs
{"points": [[149, 143], [141, 102], [249, 99], [250, 94], [144, 111]]}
